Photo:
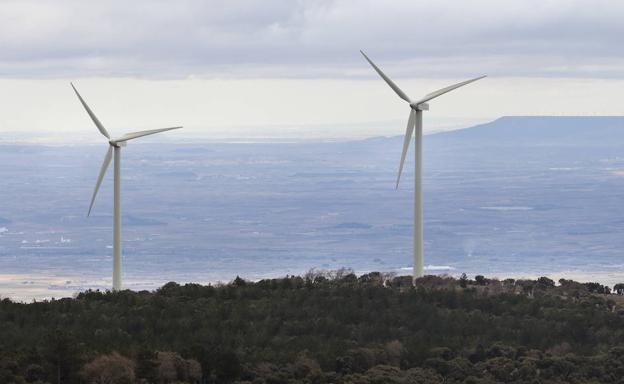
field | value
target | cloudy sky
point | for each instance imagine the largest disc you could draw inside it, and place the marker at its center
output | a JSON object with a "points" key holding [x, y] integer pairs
{"points": [[286, 68]]}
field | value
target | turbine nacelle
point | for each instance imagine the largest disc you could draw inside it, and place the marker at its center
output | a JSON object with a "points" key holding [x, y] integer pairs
{"points": [[117, 144], [420, 107]]}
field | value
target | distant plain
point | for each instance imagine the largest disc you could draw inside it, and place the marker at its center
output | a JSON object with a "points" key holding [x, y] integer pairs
{"points": [[521, 196]]}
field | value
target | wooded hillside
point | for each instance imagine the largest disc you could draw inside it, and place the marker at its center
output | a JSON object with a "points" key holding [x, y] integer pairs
{"points": [[320, 328]]}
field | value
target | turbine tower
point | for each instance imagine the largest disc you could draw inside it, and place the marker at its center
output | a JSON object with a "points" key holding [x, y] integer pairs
{"points": [[414, 122], [114, 150]]}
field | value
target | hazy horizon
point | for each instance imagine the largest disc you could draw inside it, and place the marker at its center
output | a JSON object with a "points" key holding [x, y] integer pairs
{"points": [[288, 134]]}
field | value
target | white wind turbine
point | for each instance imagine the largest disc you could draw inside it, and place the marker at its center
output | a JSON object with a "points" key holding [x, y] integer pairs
{"points": [[114, 146], [415, 122]]}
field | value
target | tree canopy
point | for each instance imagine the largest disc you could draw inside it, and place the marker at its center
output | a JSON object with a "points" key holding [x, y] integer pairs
{"points": [[324, 327]]}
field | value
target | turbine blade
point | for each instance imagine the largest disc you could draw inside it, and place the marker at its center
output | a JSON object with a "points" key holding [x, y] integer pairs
{"points": [[107, 160], [134, 135], [442, 91], [411, 123], [91, 114], [396, 89]]}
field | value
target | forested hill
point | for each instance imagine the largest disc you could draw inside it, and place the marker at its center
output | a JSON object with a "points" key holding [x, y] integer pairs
{"points": [[321, 328]]}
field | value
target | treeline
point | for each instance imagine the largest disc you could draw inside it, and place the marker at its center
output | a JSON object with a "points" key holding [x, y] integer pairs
{"points": [[324, 327]]}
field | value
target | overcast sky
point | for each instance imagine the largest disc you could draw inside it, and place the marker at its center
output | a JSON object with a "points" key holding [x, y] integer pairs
{"points": [[285, 68]]}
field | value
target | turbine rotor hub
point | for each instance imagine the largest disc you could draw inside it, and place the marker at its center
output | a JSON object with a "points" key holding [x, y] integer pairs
{"points": [[420, 107]]}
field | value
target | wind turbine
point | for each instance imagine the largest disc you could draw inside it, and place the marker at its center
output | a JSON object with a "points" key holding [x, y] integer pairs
{"points": [[414, 122], [114, 148]]}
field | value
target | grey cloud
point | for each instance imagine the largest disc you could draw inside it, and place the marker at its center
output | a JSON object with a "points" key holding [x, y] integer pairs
{"points": [[286, 38]]}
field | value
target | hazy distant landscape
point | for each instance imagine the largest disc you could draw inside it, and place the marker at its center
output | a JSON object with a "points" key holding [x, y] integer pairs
{"points": [[518, 196]]}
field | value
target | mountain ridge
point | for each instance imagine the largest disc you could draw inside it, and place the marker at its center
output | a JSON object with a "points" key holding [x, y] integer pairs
{"points": [[562, 130]]}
